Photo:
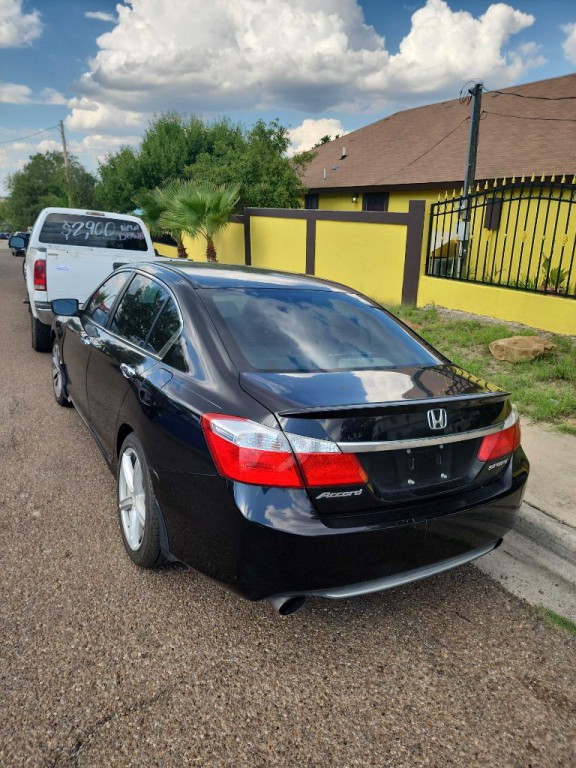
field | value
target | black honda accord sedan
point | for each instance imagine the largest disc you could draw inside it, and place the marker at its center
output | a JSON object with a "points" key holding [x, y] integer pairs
{"points": [[283, 435]]}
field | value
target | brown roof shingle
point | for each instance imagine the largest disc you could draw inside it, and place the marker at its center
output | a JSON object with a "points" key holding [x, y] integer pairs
{"points": [[427, 145]]}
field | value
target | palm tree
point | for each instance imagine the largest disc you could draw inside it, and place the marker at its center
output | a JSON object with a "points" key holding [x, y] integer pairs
{"points": [[154, 206], [200, 210]]}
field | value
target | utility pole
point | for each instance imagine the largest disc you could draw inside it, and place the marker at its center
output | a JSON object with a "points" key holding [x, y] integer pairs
{"points": [[464, 229], [66, 163]]}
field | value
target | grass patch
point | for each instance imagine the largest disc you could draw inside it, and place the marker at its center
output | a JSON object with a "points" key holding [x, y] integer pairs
{"points": [[543, 389], [555, 620]]}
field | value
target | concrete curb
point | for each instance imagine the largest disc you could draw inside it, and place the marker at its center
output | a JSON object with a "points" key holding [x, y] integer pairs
{"points": [[552, 457], [537, 560]]}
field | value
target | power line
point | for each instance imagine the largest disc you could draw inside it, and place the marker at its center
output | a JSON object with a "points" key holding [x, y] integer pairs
{"points": [[537, 98], [426, 152], [29, 136], [525, 117]]}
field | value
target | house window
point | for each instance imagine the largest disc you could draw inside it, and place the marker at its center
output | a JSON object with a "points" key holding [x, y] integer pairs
{"points": [[311, 202], [375, 201]]}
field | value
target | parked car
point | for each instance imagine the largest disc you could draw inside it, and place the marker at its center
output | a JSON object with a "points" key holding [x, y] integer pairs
{"points": [[283, 435], [70, 251], [18, 243]]}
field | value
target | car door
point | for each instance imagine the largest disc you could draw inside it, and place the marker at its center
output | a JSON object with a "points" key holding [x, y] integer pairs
{"points": [[83, 335], [126, 351]]}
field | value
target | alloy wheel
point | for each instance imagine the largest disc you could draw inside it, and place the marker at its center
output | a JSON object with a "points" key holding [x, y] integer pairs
{"points": [[57, 382], [132, 499]]}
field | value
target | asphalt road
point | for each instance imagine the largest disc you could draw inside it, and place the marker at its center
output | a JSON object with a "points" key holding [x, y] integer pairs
{"points": [[103, 664]]}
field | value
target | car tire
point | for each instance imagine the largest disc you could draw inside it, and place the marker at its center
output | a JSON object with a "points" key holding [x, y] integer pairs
{"points": [[41, 336], [59, 378], [138, 511]]}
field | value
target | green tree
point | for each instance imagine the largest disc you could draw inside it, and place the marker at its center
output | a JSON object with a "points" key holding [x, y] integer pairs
{"points": [[326, 139], [221, 152], [256, 160], [154, 204], [42, 183], [120, 178], [170, 143], [199, 210]]}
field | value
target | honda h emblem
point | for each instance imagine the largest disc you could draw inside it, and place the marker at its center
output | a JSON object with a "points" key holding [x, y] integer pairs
{"points": [[437, 418]]}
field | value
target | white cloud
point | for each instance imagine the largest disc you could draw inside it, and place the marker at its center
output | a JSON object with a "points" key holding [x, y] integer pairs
{"points": [[88, 115], [569, 45], [51, 96], [445, 48], [13, 93], [100, 15], [310, 55], [17, 28], [306, 135]]}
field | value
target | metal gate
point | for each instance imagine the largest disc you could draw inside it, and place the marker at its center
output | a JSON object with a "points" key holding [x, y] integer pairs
{"points": [[518, 235]]}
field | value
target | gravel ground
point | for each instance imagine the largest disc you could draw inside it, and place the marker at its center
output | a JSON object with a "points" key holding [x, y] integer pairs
{"points": [[103, 664]]}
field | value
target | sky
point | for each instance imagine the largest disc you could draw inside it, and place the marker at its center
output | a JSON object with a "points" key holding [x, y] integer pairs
{"points": [[320, 66]]}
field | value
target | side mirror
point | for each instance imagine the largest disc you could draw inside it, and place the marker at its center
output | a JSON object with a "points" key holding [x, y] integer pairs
{"points": [[66, 307], [16, 241]]}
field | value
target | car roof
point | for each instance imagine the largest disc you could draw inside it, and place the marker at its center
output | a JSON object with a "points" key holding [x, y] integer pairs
{"points": [[203, 275]]}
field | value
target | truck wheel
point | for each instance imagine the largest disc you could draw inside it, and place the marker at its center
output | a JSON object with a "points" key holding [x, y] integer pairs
{"points": [[41, 340]]}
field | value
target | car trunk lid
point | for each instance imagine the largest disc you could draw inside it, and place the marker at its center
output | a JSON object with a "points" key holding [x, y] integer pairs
{"points": [[416, 431]]}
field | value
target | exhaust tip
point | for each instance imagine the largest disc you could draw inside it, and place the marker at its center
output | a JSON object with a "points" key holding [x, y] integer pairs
{"points": [[287, 605]]}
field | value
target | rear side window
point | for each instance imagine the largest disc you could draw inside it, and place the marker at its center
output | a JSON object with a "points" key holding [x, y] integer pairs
{"points": [[92, 232], [102, 301], [165, 328], [310, 330], [140, 317]]}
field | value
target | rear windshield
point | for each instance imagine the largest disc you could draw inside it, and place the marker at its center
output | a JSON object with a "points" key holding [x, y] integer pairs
{"points": [[92, 232], [310, 330]]}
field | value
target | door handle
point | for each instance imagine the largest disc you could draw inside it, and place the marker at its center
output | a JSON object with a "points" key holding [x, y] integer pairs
{"points": [[128, 371], [85, 339], [146, 397]]}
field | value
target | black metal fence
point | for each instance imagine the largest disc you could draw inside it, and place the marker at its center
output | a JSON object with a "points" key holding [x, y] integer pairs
{"points": [[518, 235]]}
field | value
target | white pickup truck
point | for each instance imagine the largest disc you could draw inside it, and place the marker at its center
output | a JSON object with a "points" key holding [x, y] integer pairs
{"points": [[69, 254]]}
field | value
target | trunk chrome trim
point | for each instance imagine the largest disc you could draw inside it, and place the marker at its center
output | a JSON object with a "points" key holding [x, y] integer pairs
{"points": [[425, 442]]}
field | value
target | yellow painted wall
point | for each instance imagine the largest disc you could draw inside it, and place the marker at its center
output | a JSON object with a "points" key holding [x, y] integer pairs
{"points": [[398, 203], [229, 246], [165, 250], [278, 243], [337, 201], [367, 257], [550, 313]]}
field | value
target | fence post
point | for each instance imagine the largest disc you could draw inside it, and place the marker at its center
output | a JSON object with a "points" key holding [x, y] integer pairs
{"points": [[413, 255], [247, 240], [311, 243]]}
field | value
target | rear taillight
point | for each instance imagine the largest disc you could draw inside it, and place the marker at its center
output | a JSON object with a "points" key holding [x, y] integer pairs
{"points": [[40, 275], [501, 443], [252, 453]]}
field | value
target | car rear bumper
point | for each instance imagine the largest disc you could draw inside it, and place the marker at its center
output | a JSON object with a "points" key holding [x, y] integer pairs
{"points": [[398, 579], [268, 542]]}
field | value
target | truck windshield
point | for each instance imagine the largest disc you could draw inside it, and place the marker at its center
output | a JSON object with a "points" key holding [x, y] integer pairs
{"points": [[92, 232]]}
